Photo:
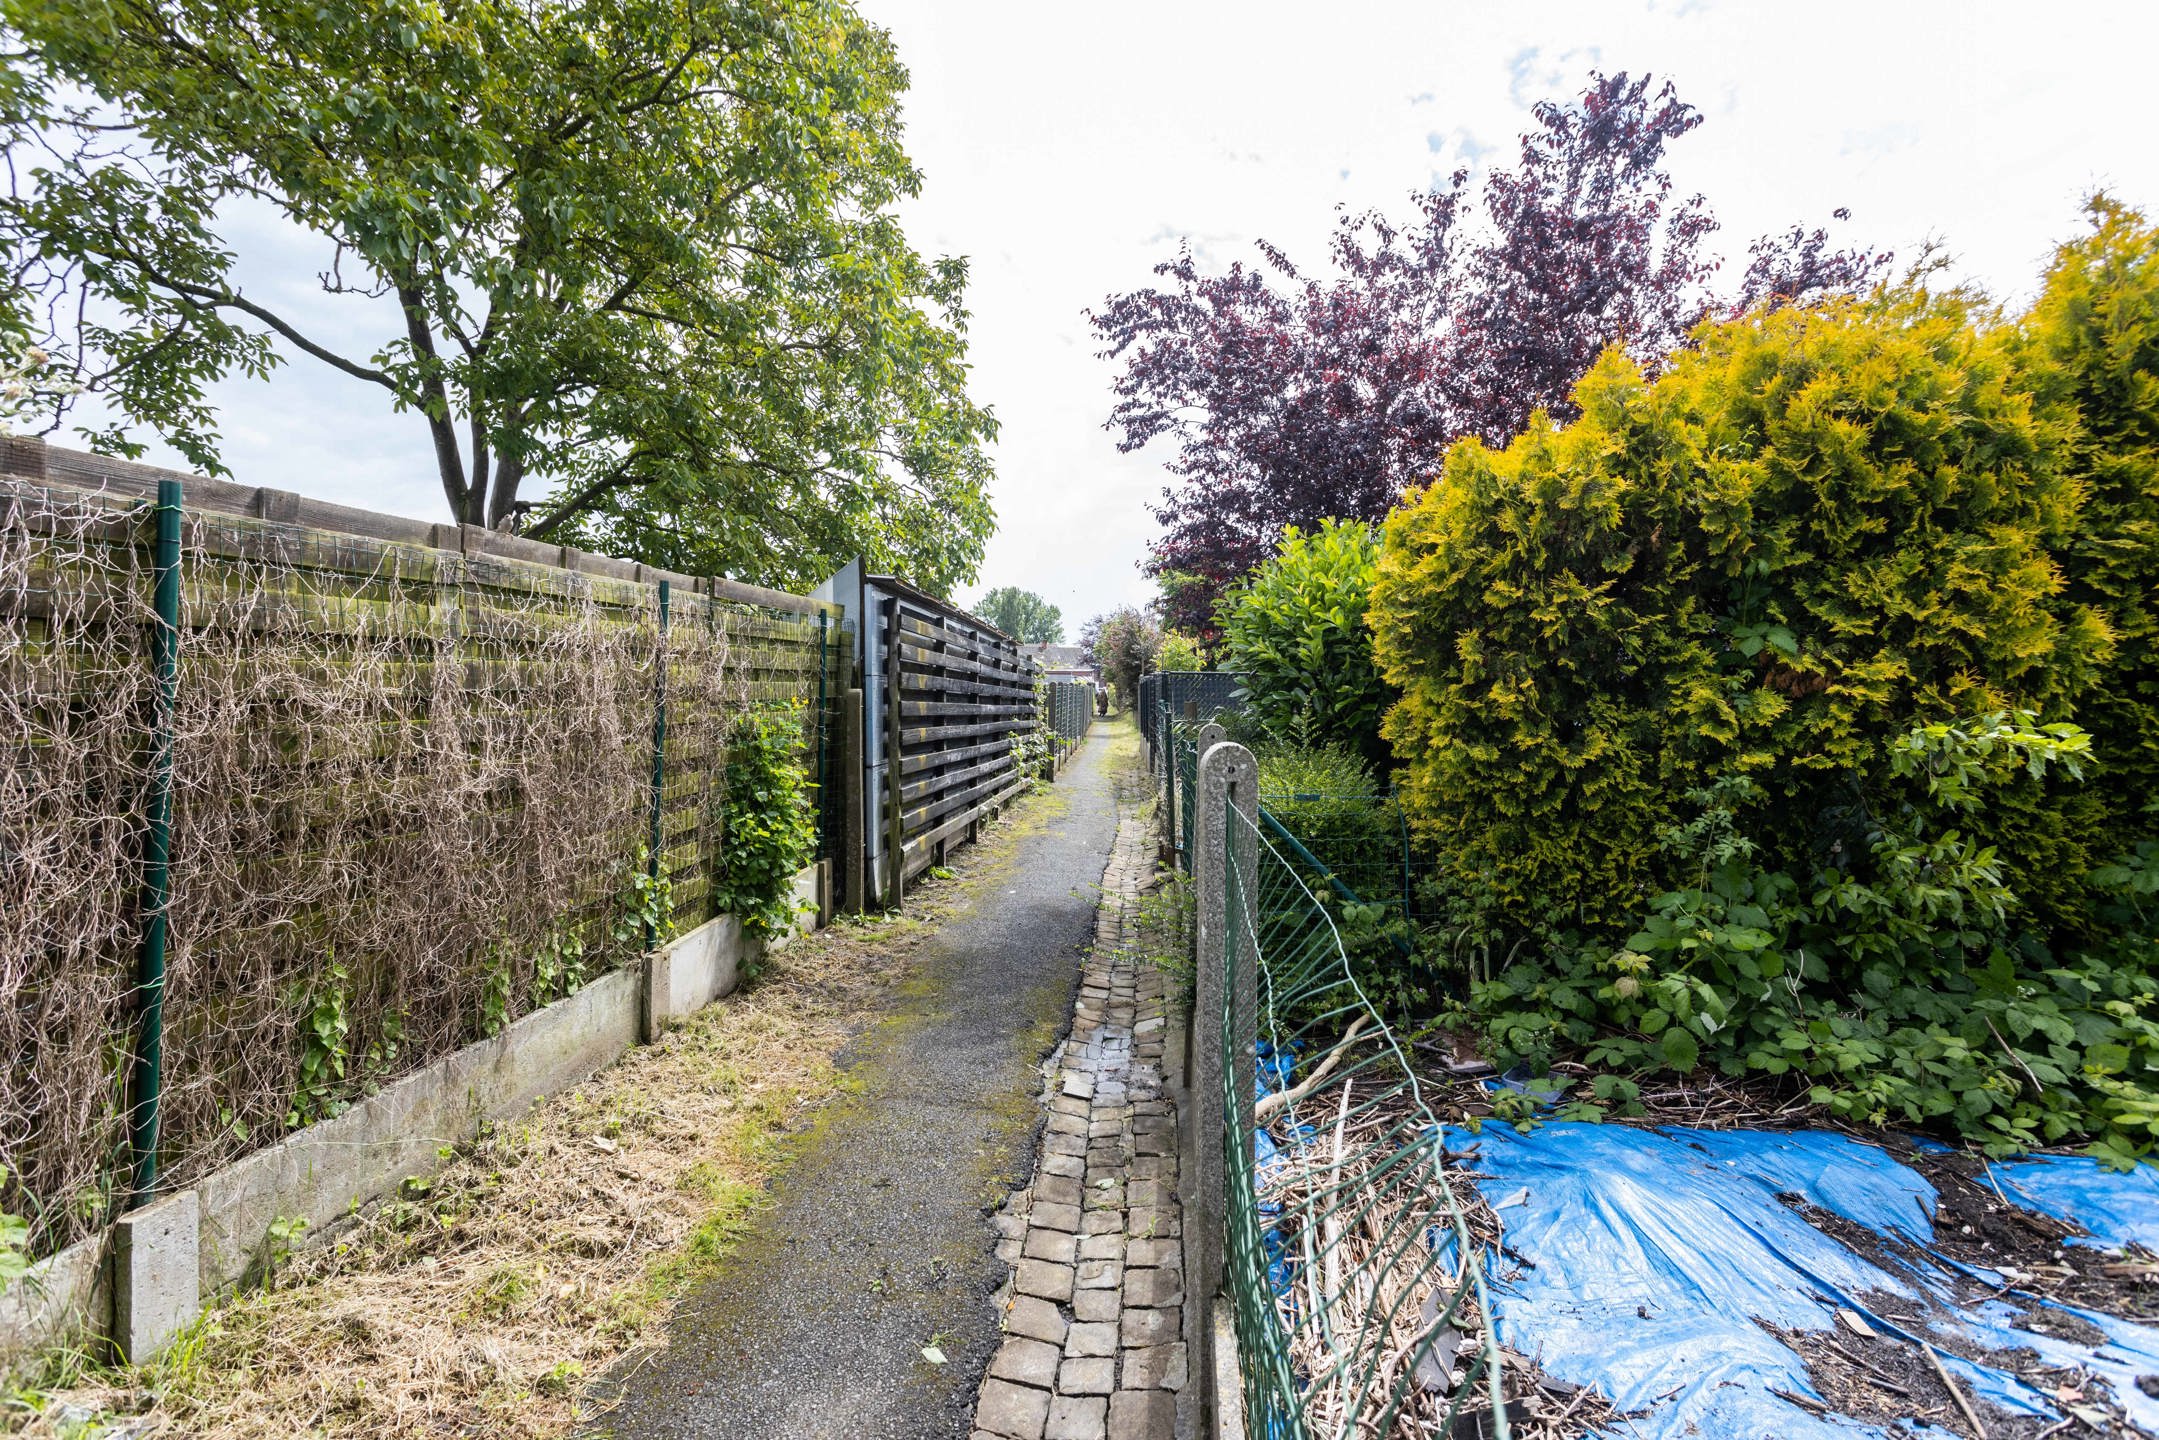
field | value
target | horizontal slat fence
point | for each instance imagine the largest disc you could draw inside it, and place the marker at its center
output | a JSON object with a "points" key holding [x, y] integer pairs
{"points": [[958, 697], [412, 770]]}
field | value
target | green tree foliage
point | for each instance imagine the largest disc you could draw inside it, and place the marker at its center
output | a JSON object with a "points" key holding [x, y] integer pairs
{"points": [[2089, 352], [641, 254], [1179, 652], [1022, 614], [1296, 631], [1122, 645]]}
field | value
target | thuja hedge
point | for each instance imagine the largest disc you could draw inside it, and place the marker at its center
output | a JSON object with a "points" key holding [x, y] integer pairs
{"points": [[1749, 712]]}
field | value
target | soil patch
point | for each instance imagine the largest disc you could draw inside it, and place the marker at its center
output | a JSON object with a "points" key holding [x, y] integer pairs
{"points": [[1977, 1225]]}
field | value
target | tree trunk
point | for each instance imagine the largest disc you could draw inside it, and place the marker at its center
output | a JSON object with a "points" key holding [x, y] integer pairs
{"points": [[464, 499]]}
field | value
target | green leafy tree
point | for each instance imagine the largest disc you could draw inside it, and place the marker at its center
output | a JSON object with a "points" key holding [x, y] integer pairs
{"points": [[1179, 652], [1122, 645], [640, 256], [1296, 631], [1022, 614]]}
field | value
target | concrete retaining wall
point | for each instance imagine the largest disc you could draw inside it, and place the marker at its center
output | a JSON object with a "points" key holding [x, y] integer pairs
{"points": [[325, 1172], [322, 1172]]}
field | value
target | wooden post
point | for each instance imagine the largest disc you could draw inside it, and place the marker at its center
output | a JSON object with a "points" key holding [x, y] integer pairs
{"points": [[895, 822], [851, 857]]}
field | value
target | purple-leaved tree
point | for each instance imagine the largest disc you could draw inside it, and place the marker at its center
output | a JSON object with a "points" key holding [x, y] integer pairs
{"points": [[1295, 397]]}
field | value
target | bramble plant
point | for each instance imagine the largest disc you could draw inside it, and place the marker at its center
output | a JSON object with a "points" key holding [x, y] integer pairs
{"points": [[769, 829], [1899, 984], [324, 1047], [644, 904]]}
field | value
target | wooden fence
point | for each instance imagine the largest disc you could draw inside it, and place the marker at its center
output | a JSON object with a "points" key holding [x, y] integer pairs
{"points": [[956, 697], [415, 773]]}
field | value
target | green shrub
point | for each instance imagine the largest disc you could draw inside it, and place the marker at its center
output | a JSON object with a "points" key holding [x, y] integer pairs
{"points": [[1296, 630], [1326, 797], [1816, 530], [1179, 652], [1752, 713], [2089, 353], [1898, 984], [769, 830]]}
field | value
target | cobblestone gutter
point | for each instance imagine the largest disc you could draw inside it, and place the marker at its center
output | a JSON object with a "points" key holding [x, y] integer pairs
{"points": [[1093, 1314]]}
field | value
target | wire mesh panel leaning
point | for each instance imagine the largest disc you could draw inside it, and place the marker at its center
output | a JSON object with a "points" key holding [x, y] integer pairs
{"points": [[1353, 1266]]}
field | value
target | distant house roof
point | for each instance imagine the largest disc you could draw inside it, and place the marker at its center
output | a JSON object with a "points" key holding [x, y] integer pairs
{"points": [[1058, 657]]}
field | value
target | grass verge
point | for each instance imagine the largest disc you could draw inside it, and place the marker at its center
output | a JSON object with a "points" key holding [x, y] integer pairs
{"points": [[485, 1298]]}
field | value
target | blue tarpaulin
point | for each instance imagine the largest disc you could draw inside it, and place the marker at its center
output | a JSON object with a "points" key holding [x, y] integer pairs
{"points": [[1639, 1261], [2114, 1209]]}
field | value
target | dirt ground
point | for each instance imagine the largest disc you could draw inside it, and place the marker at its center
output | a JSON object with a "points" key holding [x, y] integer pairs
{"points": [[484, 1299]]}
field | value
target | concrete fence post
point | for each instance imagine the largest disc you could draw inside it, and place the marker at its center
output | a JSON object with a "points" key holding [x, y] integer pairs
{"points": [[1224, 1010]]}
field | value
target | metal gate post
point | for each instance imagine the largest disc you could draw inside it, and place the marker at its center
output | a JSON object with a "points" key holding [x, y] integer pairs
{"points": [[852, 852], [895, 821], [659, 765]]}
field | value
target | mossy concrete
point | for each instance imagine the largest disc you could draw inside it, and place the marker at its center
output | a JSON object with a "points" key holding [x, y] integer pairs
{"points": [[877, 1242]]}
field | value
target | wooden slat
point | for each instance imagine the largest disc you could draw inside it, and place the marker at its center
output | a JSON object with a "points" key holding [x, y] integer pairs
{"points": [[923, 735], [945, 780], [915, 764], [932, 709]]}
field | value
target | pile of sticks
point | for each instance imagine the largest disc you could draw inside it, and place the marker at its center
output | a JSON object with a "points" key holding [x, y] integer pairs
{"points": [[1379, 1245]]}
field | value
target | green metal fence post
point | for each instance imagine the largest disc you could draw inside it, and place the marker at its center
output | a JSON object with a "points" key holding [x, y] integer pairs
{"points": [[659, 764], [148, 1081], [1168, 744]]}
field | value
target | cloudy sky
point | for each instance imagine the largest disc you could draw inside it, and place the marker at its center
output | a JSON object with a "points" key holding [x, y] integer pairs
{"points": [[1068, 148]]}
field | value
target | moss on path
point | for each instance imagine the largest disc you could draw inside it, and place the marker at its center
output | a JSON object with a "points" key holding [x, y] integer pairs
{"points": [[877, 1244]]}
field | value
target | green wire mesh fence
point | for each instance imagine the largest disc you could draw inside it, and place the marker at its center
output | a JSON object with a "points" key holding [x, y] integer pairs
{"points": [[1353, 1267], [409, 787]]}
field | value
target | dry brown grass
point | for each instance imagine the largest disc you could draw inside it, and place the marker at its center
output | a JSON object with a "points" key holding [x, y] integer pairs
{"points": [[486, 1298]]}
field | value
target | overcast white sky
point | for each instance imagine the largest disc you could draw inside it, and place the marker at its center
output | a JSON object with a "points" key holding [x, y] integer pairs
{"points": [[1067, 148]]}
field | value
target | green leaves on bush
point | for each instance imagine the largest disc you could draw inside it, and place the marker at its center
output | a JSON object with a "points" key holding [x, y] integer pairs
{"points": [[769, 829], [1296, 630], [2089, 354], [1815, 531], [1753, 708], [1901, 988], [1179, 652]]}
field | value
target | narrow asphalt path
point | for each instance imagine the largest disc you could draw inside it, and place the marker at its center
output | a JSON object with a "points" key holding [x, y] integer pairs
{"points": [[878, 1241]]}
